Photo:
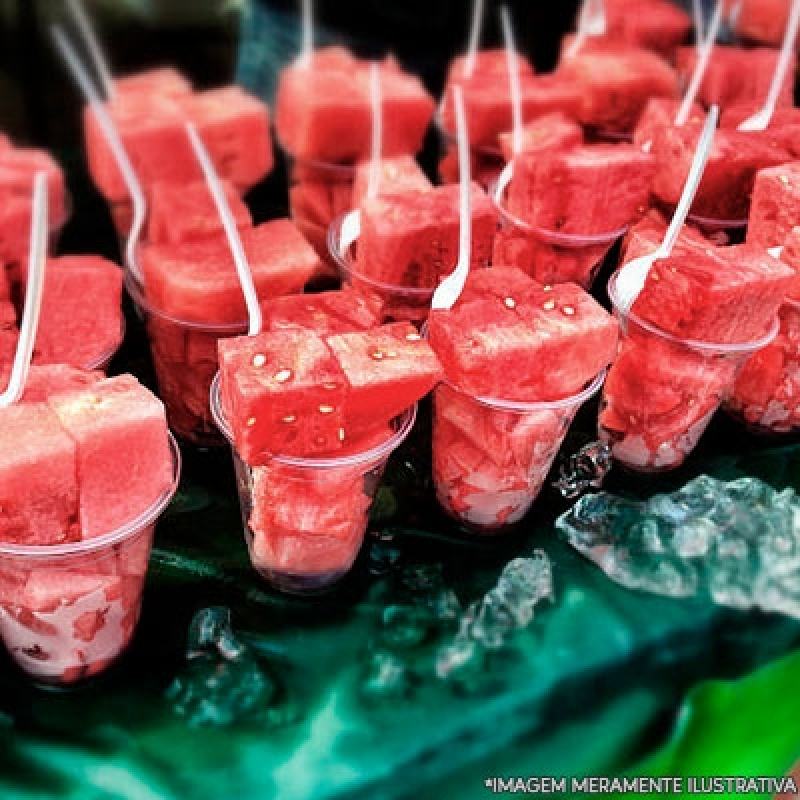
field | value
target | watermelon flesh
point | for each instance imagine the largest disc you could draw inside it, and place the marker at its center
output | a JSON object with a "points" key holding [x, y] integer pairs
{"points": [[508, 337], [648, 233], [554, 131], [593, 189], [44, 381], [615, 84], [737, 76], [410, 239], [762, 21], [179, 213], [323, 111], [489, 464], [783, 130], [660, 112], [335, 311], [398, 174], [775, 205], [656, 25], [485, 165]]}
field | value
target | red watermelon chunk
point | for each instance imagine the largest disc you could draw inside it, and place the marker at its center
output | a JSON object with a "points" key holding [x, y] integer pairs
{"points": [[180, 213], [47, 589], [725, 295], [234, 126], [81, 316], [18, 167], [323, 110], [387, 369], [522, 342], [656, 25], [736, 76], [410, 239], [791, 257], [775, 205], [197, 281], [334, 311], [398, 174], [660, 112], [586, 190], [157, 81], [284, 393], [616, 83], [554, 131], [44, 381], [783, 129], [647, 234], [120, 432], [762, 21], [727, 183], [38, 478]]}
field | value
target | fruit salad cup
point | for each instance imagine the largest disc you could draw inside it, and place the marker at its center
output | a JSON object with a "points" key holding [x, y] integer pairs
{"points": [[67, 611], [185, 362], [304, 519], [397, 303], [548, 256], [766, 395], [491, 457], [662, 391]]}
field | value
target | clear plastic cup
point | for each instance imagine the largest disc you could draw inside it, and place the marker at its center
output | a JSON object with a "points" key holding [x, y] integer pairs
{"points": [[102, 360], [185, 361], [662, 391], [547, 256], [304, 519], [68, 611], [766, 395], [491, 456], [397, 303], [709, 225]]}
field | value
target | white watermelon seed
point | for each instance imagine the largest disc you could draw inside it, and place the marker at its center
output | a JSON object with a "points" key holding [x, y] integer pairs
{"points": [[323, 409], [784, 179], [548, 287], [568, 310], [549, 305], [510, 302], [259, 359], [282, 375], [329, 386], [391, 354], [341, 434], [377, 355], [251, 421], [290, 418], [413, 337]]}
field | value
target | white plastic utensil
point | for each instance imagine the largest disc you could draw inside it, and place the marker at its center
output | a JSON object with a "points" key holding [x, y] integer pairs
{"points": [[376, 102], [307, 43], [37, 264], [474, 37], [114, 141], [632, 275], [761, 119], [697, 21], [513, 78], [701, 65], [231, 231], [98, 57], [592, 21], [449, 290]]}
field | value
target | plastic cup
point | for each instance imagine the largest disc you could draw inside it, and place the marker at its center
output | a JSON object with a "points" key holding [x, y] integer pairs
{"points": [[709, 225], [491, 456], [185, 361], [548, 256], [398, 303], [304, 519], [68, 611], [766, 395], [662, 391]]}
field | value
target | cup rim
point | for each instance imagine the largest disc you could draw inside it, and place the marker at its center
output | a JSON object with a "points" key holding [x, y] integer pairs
{"points": [[496, 192], [137, 294], [521, 407], [102, 360], [346, 265], [374, 454], [713, 225], [89, 546], [343, 170], [717, 348]]}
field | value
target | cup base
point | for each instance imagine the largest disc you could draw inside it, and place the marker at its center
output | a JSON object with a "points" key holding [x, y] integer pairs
{"points": [[299, 585]]}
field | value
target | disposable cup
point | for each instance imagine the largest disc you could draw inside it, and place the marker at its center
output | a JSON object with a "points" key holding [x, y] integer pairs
{"points": [[491, 456], [304, 519], [548, 256], [185, 361], [68, 611], [662, 391], [766, 394]]}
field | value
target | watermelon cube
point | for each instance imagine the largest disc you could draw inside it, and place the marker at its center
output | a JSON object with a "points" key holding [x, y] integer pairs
{"points": [[727, 183], [81, 317], [646, 235], [387, 370], [234, 126], [44, 381], [660, 112], [283, 393], [410, 239], [586, 190], [120, 434], [334, 311], [791, 257], [616, 83], [197, 281], [554, 131], [775, 205], [656, 25], [38, 478], [513, 339], [736, 76], [398, 174], [762, 21], [783, 129], [724, 295], [180, 213], [323, 110], [18, 167]]}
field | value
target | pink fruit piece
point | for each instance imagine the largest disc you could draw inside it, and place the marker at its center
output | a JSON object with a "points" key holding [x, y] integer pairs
{"points": [[660, 112], [783, 130], [18, 166], [44, 381], [652, 24], [120, 434], [775, 206], [38, 478], [554, 131], [334, 311], [791, 257], [398, 174], [648, 233]]}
